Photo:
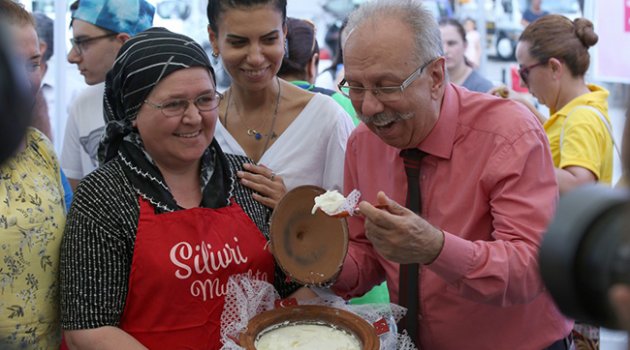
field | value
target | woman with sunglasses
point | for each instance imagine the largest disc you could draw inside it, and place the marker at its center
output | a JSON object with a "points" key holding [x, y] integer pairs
{"points": [[553, 56], [293, 137], [552, 53], [154, 233]]}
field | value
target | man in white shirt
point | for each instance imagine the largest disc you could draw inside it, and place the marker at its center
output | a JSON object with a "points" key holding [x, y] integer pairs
{"points": [[99, 28]]}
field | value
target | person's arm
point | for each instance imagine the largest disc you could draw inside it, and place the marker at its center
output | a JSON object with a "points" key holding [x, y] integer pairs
{"points": [[522, 196], [93, 292], [585, 146], [505, 92], [572, 177], [103, 338], [71, 152]]}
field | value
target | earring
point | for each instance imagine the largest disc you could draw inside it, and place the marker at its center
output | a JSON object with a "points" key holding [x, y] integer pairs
{"points": [[286, 48], [215, 54]]}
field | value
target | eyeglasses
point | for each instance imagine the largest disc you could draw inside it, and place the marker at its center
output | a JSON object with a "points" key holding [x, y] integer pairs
{"points": [[176, 108], [384, 93], [81, 44], [523, 72]]}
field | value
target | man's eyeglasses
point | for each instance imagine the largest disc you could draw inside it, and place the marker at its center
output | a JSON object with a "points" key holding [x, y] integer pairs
{"points": [[383, 93], [81, 43], [176, 108], [523, 71]]}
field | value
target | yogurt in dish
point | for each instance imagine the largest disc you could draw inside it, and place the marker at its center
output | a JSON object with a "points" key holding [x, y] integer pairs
{"points": [[307, 337]]}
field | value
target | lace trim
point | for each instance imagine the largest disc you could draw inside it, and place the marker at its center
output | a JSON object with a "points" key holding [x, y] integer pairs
{"points": [[141, 173], [146, 175]]}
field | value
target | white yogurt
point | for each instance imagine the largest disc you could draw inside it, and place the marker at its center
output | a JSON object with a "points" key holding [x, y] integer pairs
{"points": [[307, 337], [329, 202]]}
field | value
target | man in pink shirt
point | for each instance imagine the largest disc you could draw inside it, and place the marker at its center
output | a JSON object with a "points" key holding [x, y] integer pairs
{"points": [[487, 185]]}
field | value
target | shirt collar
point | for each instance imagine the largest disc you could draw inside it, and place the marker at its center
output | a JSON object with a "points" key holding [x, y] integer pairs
{"points": [[303, 84], [598, 97], [440, 140]]}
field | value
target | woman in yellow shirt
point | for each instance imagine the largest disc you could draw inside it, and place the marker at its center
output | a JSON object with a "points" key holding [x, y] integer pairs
{"points": [[553, 57]]}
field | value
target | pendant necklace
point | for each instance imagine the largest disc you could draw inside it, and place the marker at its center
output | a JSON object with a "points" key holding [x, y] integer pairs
{"points": [[257, 135]]}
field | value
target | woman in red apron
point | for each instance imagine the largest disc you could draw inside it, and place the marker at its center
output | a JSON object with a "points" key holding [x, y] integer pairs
{"points": [[156, 231]]}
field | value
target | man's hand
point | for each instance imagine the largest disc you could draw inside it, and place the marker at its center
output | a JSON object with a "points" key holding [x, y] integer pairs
{"points": [[399, 234], [268, 187]]}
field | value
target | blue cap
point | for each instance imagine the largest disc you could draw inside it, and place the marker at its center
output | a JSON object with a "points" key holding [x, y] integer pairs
{"points": [[119, 16]]}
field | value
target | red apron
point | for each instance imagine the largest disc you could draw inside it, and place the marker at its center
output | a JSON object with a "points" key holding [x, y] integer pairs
{"points": [[179, 272]]}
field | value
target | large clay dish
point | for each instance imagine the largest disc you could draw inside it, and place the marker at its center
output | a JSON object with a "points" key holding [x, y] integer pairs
{"points": [[341, 319], [310, 248]]}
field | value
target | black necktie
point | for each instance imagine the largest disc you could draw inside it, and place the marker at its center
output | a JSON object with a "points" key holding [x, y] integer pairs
{"points": [[408, 291]]}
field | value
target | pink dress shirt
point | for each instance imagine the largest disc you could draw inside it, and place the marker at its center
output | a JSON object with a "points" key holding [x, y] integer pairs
{"points": [[489, 184]]}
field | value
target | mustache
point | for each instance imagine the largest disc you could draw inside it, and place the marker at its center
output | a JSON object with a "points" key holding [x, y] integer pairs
{"points": [[384, 118]]}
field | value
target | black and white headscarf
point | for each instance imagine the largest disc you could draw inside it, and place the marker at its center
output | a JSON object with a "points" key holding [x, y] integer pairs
{"points": [[142, 62]]}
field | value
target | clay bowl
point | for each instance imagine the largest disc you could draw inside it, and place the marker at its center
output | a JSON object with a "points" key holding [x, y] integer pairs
{"points": [[338, 318], [310, 248]]}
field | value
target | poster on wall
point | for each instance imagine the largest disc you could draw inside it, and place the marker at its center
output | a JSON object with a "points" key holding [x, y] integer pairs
{"points": [[611, 19]]}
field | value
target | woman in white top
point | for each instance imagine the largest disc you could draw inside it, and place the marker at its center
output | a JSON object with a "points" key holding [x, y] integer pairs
{"points": [[293, 137]]}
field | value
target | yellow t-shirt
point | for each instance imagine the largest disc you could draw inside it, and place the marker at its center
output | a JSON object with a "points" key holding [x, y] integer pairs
{"points": [[32, 219], [586, 143]]}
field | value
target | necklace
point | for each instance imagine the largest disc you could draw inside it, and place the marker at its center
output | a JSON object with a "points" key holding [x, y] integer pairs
{"points": [[257, 135]]}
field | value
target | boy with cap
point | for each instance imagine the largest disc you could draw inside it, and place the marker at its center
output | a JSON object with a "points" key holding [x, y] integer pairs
{"points": [[100, 28]]}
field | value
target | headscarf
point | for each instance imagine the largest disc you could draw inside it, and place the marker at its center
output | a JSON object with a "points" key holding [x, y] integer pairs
{"points": [[118, 16], [142, 62]]}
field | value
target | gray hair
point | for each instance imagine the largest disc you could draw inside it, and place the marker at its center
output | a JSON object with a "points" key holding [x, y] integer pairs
{"points": [[410, 12]]}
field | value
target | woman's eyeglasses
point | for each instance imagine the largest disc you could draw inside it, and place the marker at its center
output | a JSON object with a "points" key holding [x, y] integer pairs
{"points": [[523, 71], [177, 108]]}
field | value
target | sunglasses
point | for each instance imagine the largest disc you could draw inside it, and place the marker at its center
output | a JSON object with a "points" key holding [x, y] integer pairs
{"points": [[523, 72]]}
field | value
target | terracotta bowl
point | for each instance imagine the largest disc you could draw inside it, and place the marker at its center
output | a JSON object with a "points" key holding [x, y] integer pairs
{"points": [[310, 248], [338, 318]]}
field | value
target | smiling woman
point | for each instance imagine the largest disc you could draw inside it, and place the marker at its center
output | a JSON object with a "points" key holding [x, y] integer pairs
{"points": [[147, 210], [264, 119]]}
